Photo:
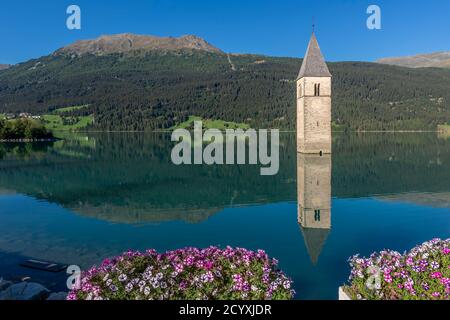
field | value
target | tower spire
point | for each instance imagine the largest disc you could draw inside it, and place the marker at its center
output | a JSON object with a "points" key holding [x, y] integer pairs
{"points": [[313, 24], [313, 63]]}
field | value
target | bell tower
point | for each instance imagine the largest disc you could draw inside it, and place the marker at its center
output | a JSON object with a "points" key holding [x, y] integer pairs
{"points": [[314, 103]]}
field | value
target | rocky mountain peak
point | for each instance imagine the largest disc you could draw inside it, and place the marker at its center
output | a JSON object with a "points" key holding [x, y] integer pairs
{"points": [[126, 42]]}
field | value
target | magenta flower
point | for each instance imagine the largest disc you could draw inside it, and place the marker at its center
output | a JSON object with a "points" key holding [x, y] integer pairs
{"points": [[427, 260], [189, 273], [436, 275]]}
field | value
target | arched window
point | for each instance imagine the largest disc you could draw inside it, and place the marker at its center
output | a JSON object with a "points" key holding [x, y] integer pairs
{"points": [[317, 215], [317, 89]]}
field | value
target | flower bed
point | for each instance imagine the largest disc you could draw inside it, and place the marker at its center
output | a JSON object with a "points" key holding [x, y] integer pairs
{"points": [[420, 274], [186, 274]]}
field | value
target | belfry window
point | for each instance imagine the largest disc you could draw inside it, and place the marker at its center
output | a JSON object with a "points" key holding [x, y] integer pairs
{"points": [[317, 215], [317, 89]]}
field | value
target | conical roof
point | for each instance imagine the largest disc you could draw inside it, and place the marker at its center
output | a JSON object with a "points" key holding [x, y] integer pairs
{"points": [[314, 64], [314, 240]]}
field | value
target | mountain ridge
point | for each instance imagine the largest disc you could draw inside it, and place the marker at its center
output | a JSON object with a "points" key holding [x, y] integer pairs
{"points": [[126, 42], [135, 88], [439, 59]]}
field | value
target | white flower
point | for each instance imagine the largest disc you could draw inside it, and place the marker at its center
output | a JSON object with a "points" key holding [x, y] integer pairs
{"points": [[129, 287], [287, 284], [123, 277]]}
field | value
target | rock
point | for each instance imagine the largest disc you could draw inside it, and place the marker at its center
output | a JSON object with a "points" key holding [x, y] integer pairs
{"points": [[343, 295], [58, 296], [25, 291], [5, 284]]}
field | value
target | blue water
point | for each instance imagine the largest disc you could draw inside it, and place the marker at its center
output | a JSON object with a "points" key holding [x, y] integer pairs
{"points": [[78, 203]]}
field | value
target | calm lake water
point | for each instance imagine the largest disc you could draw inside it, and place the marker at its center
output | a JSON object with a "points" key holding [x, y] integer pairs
{"points": [[91, 196]]}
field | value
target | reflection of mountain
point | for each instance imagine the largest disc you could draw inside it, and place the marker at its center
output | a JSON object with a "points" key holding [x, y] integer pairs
{"points": [[130, 178], [314, 201], [144, 214], [434, 200]]}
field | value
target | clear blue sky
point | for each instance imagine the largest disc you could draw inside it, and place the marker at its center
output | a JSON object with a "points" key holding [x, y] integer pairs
{"points": [[32, 28]]}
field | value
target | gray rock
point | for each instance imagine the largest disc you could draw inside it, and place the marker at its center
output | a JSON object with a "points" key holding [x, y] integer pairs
{"points": [[57, 296], [343, 295], [25, 291], [5, 284]]}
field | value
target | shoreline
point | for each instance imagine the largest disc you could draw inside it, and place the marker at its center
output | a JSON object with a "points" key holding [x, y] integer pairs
{"points": [[30, 140], [281, 130]]}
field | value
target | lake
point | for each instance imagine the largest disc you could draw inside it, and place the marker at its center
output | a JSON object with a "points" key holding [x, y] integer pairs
{"points": [[92, 196]]}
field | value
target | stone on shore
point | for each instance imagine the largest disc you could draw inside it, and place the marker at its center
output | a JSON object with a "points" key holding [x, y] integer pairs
{"points": [[25, 291], [343, 295], [57, 296], [5, 284]]}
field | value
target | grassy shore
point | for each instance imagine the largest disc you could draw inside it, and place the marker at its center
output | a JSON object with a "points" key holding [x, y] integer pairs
{"points": [[66, 123], [210, 124]]}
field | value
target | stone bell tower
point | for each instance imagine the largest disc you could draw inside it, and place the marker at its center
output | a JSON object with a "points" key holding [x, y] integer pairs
{"points": [[314, 103]]}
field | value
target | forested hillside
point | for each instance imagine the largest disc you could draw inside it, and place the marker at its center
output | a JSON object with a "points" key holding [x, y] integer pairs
{"points": [[157, 89]]}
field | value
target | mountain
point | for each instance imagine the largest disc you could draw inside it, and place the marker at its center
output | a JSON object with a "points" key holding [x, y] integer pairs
{"points": [[158, 86], [436, 60], [126, 42], [4, 66]]}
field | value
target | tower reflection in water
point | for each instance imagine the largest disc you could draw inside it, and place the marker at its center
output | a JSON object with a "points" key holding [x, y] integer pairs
{"points": [[314, 201]]}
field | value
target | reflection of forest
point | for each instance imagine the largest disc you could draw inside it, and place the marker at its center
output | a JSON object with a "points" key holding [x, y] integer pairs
{"points": [[130, 178]]}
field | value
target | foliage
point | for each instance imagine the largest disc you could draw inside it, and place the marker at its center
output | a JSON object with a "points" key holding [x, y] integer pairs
{"points": [[421, 274], [23, 129], [68, 109], [66, 123], [186, 274], [210, 124], [148, 90]]}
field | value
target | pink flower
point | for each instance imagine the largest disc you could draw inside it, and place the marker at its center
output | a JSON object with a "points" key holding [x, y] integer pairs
{"points": [[387, 278], [436, 294], [208, 265], [409, 261], [436, 275]]}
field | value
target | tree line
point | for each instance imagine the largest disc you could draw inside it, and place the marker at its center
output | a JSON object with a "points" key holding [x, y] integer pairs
{"points": [[156, 90]]}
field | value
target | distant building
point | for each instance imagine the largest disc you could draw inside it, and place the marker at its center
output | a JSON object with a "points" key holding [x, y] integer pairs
{"points": [[314, 201], [314, 102], [24, 115], [10, 116]]}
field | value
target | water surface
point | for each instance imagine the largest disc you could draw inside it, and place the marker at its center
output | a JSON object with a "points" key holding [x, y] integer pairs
{"points": [[92, 196]]}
